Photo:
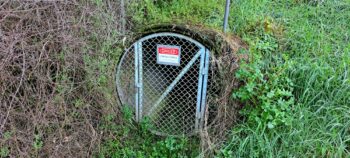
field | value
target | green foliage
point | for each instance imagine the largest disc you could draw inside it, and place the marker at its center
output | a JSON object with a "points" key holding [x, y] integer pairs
{"points": [[98, 2], [4, 152], [7, 135], [268, 101], [4, 149], [207, 12], [311, 64], [138, 141], [169, 147], [296, 84], [38, 143], [266, 94], [127, 113]]}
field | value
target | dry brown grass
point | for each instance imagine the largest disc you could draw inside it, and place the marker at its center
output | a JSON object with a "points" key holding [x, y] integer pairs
{"points": [[51, 100], [45, 87]]}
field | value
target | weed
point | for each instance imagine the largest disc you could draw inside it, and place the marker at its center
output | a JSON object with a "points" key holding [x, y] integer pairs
{"points": [[312, 55], [4, 152], [38, 143], [268, 102], [138, 141]]}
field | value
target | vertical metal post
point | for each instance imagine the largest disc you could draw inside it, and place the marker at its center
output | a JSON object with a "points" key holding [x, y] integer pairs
{"points": [[199, 91], [205, 85], [227, 12], [136, 56], [140, 80]]}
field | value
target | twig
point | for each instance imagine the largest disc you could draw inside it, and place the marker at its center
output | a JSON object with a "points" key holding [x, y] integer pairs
{"points": [[14, 95]]}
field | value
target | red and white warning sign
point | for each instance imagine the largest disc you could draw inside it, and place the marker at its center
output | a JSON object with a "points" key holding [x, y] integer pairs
{"points": [[168, 55]]}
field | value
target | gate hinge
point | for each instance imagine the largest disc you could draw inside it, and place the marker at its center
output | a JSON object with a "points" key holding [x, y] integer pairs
{"points": [[138, 85]]}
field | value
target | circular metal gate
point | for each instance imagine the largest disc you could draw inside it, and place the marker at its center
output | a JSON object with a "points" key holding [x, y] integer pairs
{"points": [[163, 77]]}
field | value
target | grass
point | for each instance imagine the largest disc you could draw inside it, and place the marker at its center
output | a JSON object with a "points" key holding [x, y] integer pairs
{"points": [[316, 41], [56, 97], [138, 141], [296, 96], [313, 39]]}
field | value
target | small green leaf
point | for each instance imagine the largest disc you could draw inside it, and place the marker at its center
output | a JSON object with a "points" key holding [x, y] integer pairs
{"points": [[270, 125], [271, 94]]}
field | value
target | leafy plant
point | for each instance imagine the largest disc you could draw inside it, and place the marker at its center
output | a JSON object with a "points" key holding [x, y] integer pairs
{"points": [[313, 53], [38, 143], [266, 94], [137, 140], [4, 152]]}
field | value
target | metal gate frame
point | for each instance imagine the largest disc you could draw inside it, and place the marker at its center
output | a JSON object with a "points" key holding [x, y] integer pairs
{"points": [[203, 54]]}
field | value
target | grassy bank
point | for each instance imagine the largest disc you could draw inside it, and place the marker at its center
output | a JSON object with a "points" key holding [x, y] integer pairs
{"points": [[315, 45], [304, 43], [56, 73]]}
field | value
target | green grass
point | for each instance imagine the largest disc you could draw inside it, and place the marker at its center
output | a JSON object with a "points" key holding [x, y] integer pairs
{"points": [[316, 42], [208, 12], [312, 50], [137, 141]]}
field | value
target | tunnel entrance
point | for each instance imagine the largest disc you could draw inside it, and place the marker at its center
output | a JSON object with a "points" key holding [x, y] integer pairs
{"points": [[163, 77]]}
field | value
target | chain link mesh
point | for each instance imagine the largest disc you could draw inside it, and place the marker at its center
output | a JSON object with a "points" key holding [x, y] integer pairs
{"points": [[221, 111], [126, 78], [176, 113]]}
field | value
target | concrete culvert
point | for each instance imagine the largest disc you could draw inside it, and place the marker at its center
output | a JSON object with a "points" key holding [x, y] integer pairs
{"points": [[180, 79]]}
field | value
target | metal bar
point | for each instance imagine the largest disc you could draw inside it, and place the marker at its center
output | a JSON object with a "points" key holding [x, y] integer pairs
{"points": [[136, 82], [205, 85], [171, 86], [199, 91], [140, 80], [227, 12]]}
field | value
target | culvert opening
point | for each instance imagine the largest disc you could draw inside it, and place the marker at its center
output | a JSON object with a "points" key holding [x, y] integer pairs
{"points": [[180, 80], [164, 77]]}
